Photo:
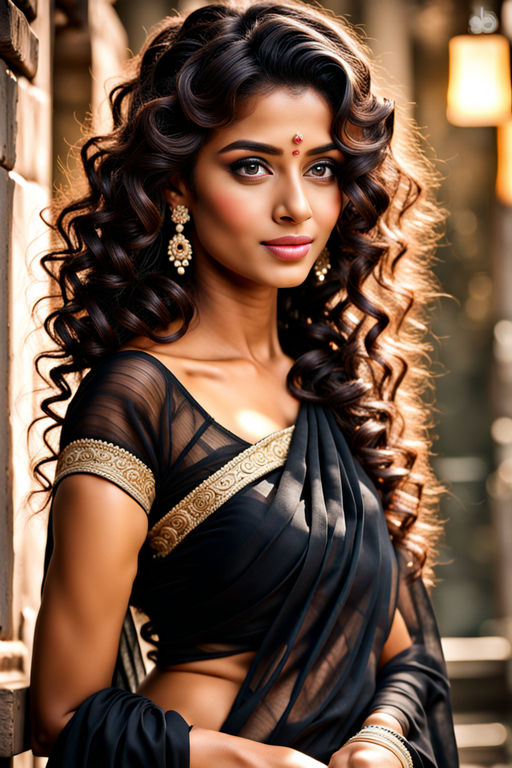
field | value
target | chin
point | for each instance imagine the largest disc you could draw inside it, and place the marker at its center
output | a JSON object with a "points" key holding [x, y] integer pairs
{"points": [[291, 279], [291, 283]]}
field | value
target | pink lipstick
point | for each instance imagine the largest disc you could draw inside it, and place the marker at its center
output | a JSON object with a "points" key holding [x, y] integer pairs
{"points": [[290, 247]]}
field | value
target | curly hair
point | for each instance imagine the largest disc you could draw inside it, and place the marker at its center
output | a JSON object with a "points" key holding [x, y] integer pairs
{"points": [[359, 340]]}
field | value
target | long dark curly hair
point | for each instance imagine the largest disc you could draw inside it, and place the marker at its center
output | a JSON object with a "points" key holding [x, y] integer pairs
{"points": [[360, 340]]}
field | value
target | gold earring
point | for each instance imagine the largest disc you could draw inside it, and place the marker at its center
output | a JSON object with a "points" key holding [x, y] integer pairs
{"points": [[322, 265], [180, 249]]}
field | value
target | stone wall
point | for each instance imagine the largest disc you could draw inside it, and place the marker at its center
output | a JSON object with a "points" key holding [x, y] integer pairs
{"points": [[25, 183], [37, 38]]}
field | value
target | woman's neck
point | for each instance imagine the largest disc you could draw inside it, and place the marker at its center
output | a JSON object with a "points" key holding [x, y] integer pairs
{"points": [[237, 321]]}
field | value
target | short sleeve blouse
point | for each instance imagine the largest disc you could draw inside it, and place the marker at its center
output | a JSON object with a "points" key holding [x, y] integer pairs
{"points": [[133, 423]]}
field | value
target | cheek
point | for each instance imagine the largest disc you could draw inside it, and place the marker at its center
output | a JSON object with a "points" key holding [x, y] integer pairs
{"points": [[231, 211], [330, 210]]}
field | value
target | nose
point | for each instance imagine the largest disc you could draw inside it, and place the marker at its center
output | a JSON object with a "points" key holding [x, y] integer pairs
{"points": [[292, 203]]}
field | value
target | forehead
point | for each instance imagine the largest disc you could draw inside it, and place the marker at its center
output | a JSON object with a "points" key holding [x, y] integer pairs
{"points": [[276, 116]]}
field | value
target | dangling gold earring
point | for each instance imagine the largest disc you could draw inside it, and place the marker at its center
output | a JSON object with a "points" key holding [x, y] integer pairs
{"points": [[180, 249], [322, 265]]}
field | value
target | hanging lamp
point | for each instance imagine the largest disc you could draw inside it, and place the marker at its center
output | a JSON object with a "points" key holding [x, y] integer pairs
{"points": [[479, 89]]}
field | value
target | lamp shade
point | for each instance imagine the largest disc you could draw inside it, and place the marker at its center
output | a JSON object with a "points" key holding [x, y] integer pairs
{"points": [[479, 91], [504, 176]]}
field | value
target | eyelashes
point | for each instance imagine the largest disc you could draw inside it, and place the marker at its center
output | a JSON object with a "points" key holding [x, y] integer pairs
{"points": [[257, 168], [249, 164], [325, 165]]}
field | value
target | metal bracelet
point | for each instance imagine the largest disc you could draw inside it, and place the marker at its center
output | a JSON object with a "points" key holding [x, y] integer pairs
{"points": [[388, 741], [389, 730], [398, 752]]}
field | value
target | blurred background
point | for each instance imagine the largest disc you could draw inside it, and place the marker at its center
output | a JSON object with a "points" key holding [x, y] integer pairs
{"points": [[446, 63]]}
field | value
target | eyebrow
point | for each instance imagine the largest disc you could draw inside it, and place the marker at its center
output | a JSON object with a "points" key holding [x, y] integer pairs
{"points": [[268, 149]]}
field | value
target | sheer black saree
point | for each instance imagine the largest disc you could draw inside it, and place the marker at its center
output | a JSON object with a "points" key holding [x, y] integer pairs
{"points": [[315, 678], [307, 577]]}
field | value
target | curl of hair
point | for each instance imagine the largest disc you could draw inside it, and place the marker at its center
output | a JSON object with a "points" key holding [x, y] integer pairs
{"points": [[359, 339]]}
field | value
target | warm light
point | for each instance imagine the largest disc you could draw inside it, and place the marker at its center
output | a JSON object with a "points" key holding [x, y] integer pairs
{"points": [[479, 90], [504, 176]]}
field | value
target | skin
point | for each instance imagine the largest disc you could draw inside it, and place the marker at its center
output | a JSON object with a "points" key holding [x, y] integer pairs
{"points": [[231, 362]]}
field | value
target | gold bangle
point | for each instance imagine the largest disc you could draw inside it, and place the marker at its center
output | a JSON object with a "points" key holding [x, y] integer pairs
{"points": [[405, 761], [386, 732], [394, 746]]}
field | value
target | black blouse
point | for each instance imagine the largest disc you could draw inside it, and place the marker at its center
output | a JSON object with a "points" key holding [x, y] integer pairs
{"points": [[133, 402]]}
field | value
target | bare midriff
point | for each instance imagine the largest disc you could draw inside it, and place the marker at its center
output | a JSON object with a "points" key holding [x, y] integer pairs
{"points": [[202, 691]]}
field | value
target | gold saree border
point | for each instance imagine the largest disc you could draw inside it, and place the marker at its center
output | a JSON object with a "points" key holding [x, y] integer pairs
{"points": [[249, 465], [110, 461]]}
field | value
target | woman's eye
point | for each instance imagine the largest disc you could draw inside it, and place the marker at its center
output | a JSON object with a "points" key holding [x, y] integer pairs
{"points": [[249, 168], [323, 170]]}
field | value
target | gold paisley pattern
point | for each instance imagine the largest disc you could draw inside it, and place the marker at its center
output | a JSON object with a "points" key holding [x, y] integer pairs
{"points": [[256, 461], [97, 457]]}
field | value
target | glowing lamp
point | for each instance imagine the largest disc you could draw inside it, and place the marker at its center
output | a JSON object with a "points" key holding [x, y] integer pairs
{"points": [[504, 175], [479, 91]]}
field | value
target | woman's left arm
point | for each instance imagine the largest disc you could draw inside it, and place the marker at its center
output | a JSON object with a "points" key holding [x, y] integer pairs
{"points": [[398, 640], [363, 754]]}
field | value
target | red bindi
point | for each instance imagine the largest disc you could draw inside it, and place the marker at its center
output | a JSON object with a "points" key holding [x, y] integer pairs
{"points": [[297, 139]]}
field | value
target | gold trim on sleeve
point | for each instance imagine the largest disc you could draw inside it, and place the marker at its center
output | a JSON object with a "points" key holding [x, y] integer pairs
{"points": [[251, 464], [97, 457]]}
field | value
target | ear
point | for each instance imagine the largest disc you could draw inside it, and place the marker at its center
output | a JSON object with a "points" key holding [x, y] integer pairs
{"points": [[177, 192]]}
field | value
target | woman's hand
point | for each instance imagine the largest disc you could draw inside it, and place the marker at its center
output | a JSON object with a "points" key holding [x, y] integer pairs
{"points": [[361, 754], [209, 748]]}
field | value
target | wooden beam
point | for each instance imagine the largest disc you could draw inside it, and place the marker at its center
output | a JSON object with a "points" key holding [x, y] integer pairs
{"points": [[14, 731]]}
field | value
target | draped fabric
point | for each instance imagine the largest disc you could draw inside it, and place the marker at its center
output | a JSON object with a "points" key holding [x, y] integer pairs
{"points": [[117, 729], [297, 566]]}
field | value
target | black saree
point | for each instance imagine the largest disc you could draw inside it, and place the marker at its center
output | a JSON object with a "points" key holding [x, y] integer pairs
{"points": [[296, 564]]}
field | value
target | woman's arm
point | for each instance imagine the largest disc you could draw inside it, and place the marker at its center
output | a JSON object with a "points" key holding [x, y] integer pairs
{"points": [[98, 531], [398, 640], [364, 753]]}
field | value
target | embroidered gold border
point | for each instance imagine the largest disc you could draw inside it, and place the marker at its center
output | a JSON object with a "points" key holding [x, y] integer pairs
{"points": [[208, 496], [97, 457]]}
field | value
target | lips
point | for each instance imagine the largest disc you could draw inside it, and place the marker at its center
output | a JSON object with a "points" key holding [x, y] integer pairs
{"points": [[290, 247], [290, 240]]}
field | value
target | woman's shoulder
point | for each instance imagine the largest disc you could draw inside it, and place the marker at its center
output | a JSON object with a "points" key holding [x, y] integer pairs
{"points": [[128, 373], [128, 389], [166, 360]]}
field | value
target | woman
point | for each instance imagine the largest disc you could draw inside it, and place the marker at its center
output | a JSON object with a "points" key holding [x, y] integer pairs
{"points": [[245, 459]]}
